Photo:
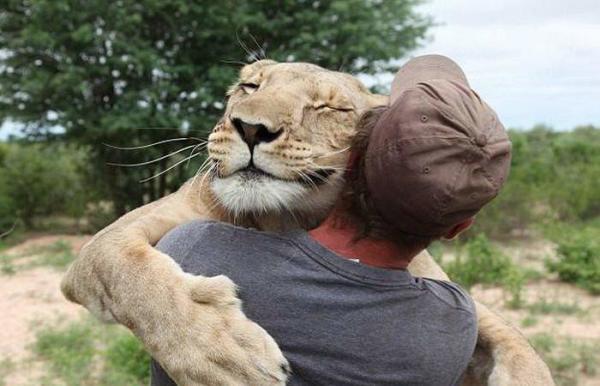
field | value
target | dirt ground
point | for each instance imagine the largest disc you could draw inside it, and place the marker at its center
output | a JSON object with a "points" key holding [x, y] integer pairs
{"points": [[31, 297]]}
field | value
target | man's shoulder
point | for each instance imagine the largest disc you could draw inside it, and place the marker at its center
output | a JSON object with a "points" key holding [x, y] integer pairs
{"points": [[450, 294], [186, 229], [214, 240], [181, 239]]}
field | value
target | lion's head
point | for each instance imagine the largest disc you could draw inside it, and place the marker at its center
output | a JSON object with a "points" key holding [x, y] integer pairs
{"points": [[282, 143]]}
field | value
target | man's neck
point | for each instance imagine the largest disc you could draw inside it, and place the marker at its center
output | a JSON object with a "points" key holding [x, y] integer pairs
{"points": [[341, 239]]}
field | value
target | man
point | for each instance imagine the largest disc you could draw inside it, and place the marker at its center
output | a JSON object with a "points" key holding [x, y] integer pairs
{"points": [[338, 299]]}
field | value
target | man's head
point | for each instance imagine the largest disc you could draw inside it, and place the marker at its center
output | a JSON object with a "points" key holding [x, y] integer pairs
{"points": [[432, 159]]}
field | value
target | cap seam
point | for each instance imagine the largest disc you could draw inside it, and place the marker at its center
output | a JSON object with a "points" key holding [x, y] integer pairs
{"points": [[487, 156], [489, 178], [427, 102], [388, 144], [499, 140], [451, 190], [468, 133]]}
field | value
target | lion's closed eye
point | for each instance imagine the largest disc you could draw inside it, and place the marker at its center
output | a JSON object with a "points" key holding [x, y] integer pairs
{"points": [[249, 88], [325, 106]]}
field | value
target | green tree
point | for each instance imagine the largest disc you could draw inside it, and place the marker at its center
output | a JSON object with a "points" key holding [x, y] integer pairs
{"points": [[37, 180], [106, 70]]}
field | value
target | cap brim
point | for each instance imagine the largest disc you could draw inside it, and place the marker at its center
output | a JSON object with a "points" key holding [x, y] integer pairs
{"points": [[424, 68]]}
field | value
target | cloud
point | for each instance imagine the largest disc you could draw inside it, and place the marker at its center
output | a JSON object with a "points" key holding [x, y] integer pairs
{"points": [[533, 61]]}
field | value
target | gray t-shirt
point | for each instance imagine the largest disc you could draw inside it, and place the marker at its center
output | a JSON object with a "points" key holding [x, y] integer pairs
{"points": [[337, 322]]}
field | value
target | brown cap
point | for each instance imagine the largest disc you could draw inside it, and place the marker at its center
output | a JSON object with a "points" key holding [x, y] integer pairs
{"points": [[438, 154]]}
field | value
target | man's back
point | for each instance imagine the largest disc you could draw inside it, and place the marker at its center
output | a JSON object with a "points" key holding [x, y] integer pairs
{"points": [[338, 322]]}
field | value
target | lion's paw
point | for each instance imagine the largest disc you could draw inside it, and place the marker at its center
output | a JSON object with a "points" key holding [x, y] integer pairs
{"points": [[210, 340]]}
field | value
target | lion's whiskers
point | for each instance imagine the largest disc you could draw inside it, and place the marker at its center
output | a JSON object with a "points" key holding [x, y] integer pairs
{"points": [[155, 143], [252, 55], [154, 160], [202, 146], [209, 172], [335, 168], [196, 150], [306, 178], [261, 50], [169, 168], [205, 169], [312, 173], [208, 163], [323, 155], [234, 62]]}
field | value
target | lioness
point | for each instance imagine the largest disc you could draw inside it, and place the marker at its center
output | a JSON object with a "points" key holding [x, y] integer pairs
{"points": [[303, 117]]}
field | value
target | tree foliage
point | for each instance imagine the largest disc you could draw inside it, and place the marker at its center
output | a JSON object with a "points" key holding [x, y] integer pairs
{"points": [[109, 71]]}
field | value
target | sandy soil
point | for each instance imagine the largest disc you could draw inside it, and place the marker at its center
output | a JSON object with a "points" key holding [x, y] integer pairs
{"points": [[39, 241], [29, 298], [584, 324]]}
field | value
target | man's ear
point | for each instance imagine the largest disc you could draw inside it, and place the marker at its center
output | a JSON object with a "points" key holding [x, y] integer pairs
{"points": [[353, 161], [459, 228]]}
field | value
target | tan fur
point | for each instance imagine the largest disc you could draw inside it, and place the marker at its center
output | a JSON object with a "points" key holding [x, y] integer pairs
{"points": [[194, 325]]}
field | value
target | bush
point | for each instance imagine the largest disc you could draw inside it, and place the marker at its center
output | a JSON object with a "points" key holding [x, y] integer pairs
{"points": [[38, 179], [86, 352], [578, 257], [554, 176], [478, 261], [99, 215], [8, 212], [127, 362], [58, 255], [567, 359], [69, 351]]}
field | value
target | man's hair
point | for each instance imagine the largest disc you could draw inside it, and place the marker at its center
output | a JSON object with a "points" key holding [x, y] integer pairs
{"points": [[356, 201]]}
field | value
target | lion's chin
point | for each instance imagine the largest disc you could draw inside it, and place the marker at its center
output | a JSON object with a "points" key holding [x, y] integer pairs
{"points": [[241, 195], [258, 195]]}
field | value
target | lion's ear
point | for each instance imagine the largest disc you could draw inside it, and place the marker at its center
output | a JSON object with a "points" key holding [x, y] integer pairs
{"points": [[378, 100], [250, 69]]}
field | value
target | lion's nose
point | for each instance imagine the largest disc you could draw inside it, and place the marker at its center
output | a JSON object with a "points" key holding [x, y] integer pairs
{"points": [[253, 133]]}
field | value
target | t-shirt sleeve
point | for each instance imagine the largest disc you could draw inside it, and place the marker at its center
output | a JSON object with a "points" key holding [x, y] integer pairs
{"points": [[452, 294], [454, 318]]}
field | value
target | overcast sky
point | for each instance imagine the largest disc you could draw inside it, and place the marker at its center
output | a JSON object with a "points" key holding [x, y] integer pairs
{"points": [[534, 61]]}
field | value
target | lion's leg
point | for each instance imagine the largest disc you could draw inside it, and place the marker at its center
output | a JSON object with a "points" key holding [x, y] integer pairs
{"points": [[513, 360], [502, 356], [107, 266], [192, 325]]}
